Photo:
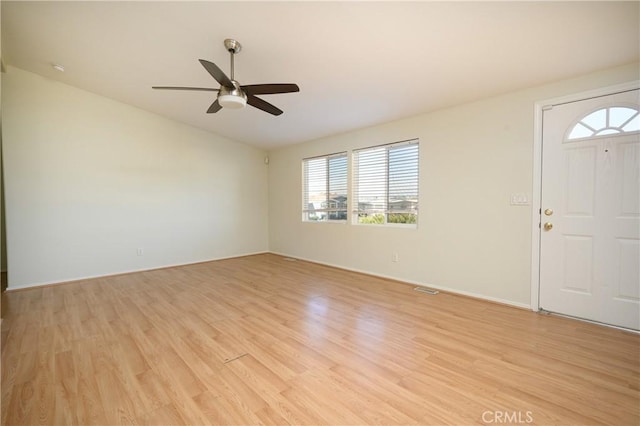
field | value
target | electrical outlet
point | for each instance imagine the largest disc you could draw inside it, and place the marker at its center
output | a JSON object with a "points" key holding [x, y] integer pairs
{"points": [[519, 199], [395, 257], [140, 252]]}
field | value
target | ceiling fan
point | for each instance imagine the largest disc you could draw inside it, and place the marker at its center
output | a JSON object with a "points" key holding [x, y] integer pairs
{"points": [[231, 94]]}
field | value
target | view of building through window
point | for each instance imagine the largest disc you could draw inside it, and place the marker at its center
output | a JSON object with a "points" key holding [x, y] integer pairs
{"points": [[385, 185], [325, 188]]}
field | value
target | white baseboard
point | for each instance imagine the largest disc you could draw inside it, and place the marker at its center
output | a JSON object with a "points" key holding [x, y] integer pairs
{"points": [[421, 284], [129, 271]]}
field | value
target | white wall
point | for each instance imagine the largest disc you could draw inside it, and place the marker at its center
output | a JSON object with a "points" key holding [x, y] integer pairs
{"points": [[469, 239], [89, 180]]}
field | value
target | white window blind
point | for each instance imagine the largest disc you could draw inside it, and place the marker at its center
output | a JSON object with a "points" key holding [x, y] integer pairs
{"points": [[385, 184], [324, 193]]}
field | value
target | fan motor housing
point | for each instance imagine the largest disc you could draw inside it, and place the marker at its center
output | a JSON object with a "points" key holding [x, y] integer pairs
{"points": [[232, 98]]}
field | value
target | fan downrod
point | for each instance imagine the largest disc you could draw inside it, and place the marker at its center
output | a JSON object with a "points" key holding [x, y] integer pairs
{"points": [[232, 46]]}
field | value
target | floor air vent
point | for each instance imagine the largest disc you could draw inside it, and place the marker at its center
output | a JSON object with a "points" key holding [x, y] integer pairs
{"points": [[290, 259], [426, 290]]}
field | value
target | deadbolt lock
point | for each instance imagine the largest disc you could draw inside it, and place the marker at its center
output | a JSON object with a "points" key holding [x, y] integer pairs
{"points": [[548, 212], [548, 226]]}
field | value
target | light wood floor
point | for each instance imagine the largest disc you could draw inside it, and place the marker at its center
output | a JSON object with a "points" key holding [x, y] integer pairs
{"points": [[264, 340]]}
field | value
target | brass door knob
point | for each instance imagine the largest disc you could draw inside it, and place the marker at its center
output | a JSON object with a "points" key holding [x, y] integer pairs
{"points": [[548, 226]]}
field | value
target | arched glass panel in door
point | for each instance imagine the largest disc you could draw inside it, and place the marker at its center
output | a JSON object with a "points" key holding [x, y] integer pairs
{"points": [[606, 121]]}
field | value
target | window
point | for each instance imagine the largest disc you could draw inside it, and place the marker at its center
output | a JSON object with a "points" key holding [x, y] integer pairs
{"points": [[606, 121], [324, 193], [386, 184]]}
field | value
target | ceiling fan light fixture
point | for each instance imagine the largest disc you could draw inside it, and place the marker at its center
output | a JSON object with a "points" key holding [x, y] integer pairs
{"points": [[232, 101], [232, 97], [231, 94]]}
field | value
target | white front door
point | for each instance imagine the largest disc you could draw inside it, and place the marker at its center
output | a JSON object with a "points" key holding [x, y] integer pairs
{"points": [[590, 215]]}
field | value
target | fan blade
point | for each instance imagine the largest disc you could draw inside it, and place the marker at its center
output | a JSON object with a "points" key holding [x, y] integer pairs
{"points": [[263, 105], [215, 107], [216, 73], [269, 89], [206, 89]]}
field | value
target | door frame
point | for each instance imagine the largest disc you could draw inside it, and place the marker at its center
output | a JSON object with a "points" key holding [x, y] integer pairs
{"points": [[536, 199]]}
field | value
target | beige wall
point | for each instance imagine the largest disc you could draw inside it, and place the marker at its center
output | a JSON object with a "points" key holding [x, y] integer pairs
{"points": [[3, 232], [469, 238], [89, 180], [3, 227]]}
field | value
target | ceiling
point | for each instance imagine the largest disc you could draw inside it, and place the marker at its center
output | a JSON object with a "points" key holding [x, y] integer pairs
{"points": [[357, 63]]}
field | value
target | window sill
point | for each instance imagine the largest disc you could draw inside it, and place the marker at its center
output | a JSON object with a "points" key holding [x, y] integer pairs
{"points": [[388, 225], [342, 222]]}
